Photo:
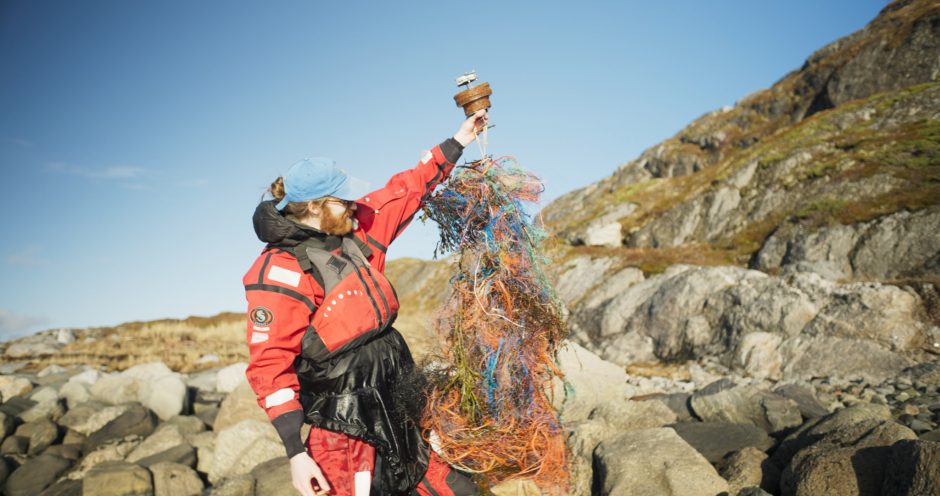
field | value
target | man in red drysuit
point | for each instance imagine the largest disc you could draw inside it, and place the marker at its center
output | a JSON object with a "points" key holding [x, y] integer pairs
{"points": [[321, 342]]}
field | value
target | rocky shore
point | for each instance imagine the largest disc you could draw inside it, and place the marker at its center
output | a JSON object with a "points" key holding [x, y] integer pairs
{"points": [[695, 428]]}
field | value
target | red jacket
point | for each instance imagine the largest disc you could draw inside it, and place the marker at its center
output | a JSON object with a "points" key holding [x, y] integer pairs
{"points": [[285, 302]]}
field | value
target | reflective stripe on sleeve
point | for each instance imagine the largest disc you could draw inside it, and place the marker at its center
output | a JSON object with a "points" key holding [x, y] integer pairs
{"points": [[278, 397], [362, 483]]}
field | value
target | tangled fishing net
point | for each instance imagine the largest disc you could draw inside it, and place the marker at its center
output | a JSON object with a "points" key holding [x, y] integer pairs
{"points": [[490, 412]]}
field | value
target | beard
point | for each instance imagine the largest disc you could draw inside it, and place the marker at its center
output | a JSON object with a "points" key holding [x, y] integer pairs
{"points": [[337, 225]]}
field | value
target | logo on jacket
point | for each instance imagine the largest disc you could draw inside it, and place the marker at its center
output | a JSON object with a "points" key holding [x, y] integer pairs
{"points": [[261, 318]]}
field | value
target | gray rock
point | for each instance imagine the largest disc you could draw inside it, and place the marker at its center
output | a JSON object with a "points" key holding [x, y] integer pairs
{"points": [[896, 245], [136, 420], [273, 478], [679, 404], [715, 440], [753, 491], [35, 475], [183, 454], [242, 485], [597, 234], [590, 380], [241, 404], [15, 445], [747, 405], [578, 275], [114, 450], [153, 385], [758, 355], [173, 479], [89, 417], [48, 408], [204, 442], [117, 478], [913, 468], [187, 425], [161, 390], [842, 424], [64, 487], [749, 467], [71, 452], [231, 377], [805, 358], [805, 399], [208, 415], [243, 446], [163, 438], [7, 425], [933, 435], [629, 415], [4, 471], [11, 385], [836, 471], [33, 346], [653, 461], [15, 406], [41, 434]]}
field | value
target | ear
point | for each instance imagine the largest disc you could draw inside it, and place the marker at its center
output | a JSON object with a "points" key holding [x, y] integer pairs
{"points": [[313, 208]]}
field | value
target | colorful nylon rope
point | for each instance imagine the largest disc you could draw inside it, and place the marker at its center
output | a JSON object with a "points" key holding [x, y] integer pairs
{"points": [[490, 408]]}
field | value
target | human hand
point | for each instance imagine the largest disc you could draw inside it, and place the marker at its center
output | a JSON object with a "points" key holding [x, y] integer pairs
{"points": [[302, 470], [474, 125]]}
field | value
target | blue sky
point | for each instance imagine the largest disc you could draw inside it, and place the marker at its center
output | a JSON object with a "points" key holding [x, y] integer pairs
{"points": [[137, 137]]}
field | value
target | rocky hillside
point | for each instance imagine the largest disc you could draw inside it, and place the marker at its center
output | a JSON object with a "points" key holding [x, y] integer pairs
{"points": [[753, 306]]}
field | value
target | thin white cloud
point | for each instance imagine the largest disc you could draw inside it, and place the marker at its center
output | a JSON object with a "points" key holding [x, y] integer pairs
{"points": [[27, 257], [113, 172], [14, 325]]}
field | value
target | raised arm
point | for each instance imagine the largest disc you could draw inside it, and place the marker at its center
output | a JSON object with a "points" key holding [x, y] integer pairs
{"points": [[384, 213]]}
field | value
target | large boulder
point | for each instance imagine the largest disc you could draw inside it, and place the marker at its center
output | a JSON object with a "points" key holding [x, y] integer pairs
{"points": [[913, 468], [241, 485], [589, 382], [152, 384], [241, 404], [35, 475], [11, 385], [240, 448], [41, 434], [747, 405], [763, 325], [715, 440], [89, 417], [113, 450], [653, 461], [894, 246], [136, 420], [165, 437], [173, 479], [231, 377], [117, 478], [273, 478]]}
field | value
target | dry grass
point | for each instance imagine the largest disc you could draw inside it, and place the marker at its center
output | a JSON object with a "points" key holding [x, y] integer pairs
{"points": [[177, 343]]}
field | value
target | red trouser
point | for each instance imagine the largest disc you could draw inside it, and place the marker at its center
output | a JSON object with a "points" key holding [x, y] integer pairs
{"points": [[347, 463]]}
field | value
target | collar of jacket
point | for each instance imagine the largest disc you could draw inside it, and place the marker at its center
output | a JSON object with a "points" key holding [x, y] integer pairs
{"points": [[280, 232]]}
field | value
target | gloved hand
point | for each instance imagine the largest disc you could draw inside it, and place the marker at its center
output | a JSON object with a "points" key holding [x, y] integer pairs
{"points": [[302, 470], [474, 125]]}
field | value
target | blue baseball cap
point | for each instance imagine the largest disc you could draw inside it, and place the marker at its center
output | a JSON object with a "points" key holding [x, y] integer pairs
{"points": [[317, 177]]}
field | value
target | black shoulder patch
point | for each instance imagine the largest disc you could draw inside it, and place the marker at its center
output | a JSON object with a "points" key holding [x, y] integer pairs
{"points": [[336, 264]]}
